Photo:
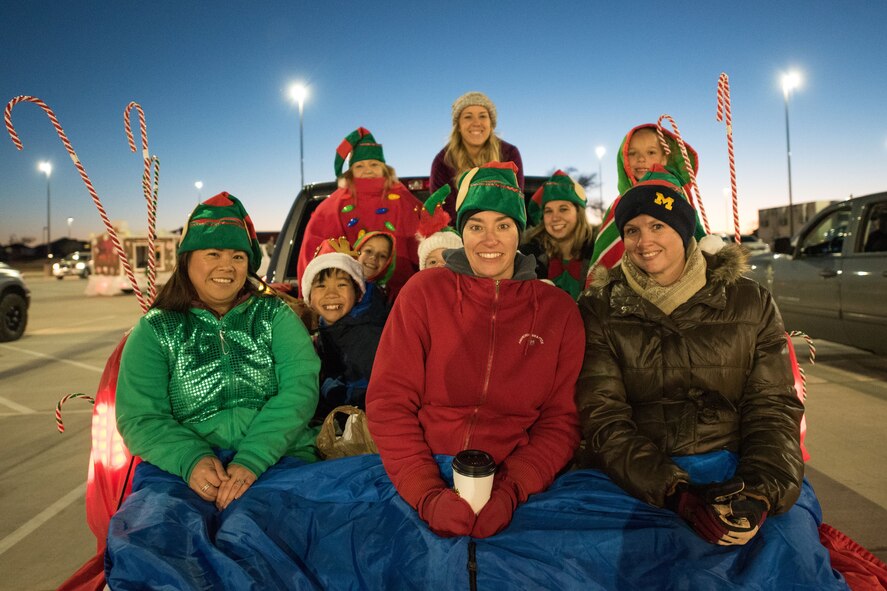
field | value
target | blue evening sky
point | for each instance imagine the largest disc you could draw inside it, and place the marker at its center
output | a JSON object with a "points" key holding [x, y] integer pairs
{"points": [[565, 76]]}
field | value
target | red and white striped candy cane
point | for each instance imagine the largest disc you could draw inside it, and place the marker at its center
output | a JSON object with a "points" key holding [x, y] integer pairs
{"points": [[687, 164], [146, 189], [724, 114], [95, 198], [58, 408]]}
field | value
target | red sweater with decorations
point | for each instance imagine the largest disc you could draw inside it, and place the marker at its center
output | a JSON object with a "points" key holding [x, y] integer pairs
{"points": [[341, 214], [474, 363]]}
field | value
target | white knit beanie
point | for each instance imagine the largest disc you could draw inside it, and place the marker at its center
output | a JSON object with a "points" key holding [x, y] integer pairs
{"points": [[334, 260], [474, 99], [442, 239]]}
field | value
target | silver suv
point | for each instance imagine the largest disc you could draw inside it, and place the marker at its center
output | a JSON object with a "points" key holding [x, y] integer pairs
{"points": [[15, 297]]}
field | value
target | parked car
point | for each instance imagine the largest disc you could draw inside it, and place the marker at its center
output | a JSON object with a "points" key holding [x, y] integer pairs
{"points": [[284, 260], [15, 298], [754, 244], [77, 264], [830, 280]]}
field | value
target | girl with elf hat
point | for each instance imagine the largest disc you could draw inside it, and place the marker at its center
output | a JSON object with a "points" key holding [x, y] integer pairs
{"points": [[217, 383], [369, 198], [686, 401], [472, 143], [477, 354], [639, 151], [561, 239]]}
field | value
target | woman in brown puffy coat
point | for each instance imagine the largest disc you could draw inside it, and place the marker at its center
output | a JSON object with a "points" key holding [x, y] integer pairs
{"points": [[685, 356]]}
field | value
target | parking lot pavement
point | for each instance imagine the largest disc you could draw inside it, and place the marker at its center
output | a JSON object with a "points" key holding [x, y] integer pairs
{"points": [[43, 533], [846, 415]]}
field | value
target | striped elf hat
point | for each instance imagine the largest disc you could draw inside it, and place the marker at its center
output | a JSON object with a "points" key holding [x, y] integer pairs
{"points": [[560, 187], [361, 145]]}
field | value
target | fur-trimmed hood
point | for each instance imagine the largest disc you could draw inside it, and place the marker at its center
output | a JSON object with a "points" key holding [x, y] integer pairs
{"points": [[725, 266]]}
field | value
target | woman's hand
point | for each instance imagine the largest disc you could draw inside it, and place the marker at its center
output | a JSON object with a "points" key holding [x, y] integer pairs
{"points": [[239, 479], [206, 477]]}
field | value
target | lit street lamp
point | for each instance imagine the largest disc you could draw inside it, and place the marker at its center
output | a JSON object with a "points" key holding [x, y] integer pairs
{"points": [[70, 221], [790, 81], [600, 151], [46, 168], [198, 185], [299, 92]]}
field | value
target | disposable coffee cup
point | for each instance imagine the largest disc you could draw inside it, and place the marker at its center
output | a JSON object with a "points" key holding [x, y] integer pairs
{"points": [[473, 472]]}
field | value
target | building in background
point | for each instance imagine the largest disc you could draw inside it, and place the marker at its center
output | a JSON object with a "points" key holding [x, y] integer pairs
{"points": [[773, 222]]}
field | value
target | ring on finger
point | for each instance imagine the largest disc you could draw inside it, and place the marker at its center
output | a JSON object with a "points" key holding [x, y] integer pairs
{"points": [[204, 487], [240, 481]]}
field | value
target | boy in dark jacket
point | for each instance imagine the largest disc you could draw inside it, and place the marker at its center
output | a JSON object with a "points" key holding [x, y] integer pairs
{"points": [[352, 314]]}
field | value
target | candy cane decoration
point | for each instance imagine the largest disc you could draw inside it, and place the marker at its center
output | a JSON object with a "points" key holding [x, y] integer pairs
{"points": [[687, 163], [7, 115], [58, 408], [799, 333], [725, 114], [146, 189]]}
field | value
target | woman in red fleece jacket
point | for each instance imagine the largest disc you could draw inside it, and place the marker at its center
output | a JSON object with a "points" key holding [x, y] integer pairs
{"points": [[478, 354]]}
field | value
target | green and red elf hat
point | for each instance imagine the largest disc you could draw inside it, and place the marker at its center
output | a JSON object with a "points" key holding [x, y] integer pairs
{"points": [[222, 222], [491, 187], [361, 145], [434, 230], [560, 187], [383, 276]]}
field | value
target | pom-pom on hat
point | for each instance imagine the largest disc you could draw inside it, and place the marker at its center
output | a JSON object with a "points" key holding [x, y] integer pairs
{"points": [[474, 99], [560, 187], [491, 187], [331, 256], [658, 196], [361, 145], [222, 222]]}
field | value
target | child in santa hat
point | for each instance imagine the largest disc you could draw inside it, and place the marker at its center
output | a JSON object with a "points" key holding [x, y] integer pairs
{"points": [[349, 327], [434, 233]]}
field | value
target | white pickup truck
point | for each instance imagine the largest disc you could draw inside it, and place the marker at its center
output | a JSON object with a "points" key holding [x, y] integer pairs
{"points": [[830, 280]]}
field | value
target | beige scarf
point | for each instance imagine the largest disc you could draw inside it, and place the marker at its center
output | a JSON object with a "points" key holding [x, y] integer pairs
{"points": [[668, 298]]}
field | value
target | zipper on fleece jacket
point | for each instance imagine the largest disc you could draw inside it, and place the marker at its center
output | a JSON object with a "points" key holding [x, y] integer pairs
{"points": [[487, 374]]}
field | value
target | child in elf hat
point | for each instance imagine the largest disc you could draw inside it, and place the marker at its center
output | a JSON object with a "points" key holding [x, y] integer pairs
{"points": [[369, 198], [434, 233], [562, 240], [350, 325], [639, 151]]}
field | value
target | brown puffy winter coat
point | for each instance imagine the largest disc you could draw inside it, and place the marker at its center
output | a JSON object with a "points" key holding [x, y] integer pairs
{"points": [[712, 375]]}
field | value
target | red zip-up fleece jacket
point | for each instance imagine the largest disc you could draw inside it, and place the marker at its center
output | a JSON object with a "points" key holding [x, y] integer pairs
{"points": [[474, 363]]}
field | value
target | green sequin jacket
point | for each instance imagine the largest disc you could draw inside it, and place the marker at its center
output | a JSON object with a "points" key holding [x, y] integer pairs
{"points": [[192, 382]]}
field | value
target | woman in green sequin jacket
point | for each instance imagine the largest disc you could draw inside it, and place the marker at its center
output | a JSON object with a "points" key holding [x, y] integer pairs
{"points": [[217, 364]]}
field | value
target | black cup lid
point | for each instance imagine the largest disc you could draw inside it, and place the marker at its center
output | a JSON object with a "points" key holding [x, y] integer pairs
{"points": [[474, 463]]}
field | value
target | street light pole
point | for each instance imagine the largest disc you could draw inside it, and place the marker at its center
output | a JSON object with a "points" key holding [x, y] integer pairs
{"points": [[600, 151], [46, 168], [790, 81], [70, 221], [299, 92], [198, 185]]}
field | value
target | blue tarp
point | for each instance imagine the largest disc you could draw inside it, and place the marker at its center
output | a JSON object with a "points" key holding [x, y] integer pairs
{"points": [[340, 525]]}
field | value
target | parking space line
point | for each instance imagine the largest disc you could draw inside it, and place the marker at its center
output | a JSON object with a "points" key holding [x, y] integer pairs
{"points": [[41, 518], [52, 357], [19, 408]]}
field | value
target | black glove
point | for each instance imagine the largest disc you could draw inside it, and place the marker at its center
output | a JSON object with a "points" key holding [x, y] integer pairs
{"points": [[719, 512]]}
